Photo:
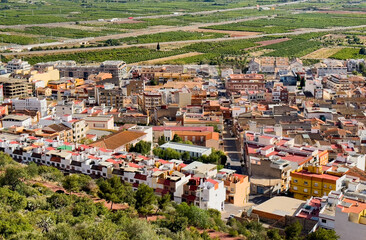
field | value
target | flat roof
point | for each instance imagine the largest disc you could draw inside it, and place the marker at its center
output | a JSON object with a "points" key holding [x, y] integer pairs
{"points": [[281, 206], [185, 147]]}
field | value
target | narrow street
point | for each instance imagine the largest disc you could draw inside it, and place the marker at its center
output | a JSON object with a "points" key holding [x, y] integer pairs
{"points": [[232, 149]]}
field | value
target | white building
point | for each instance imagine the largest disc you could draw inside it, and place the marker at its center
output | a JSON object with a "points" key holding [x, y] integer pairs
{"points": [[193, 150], [16, 64], [31, 104], [212, 196], [16, 120]]}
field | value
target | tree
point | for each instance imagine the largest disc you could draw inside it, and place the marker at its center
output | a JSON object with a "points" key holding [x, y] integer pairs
{"points": [[142, 147], [161, 140], [186, 156], [273, 234], [145, 197], [177, 139], [71, 183], [158, 47], [5, 160], [293, 231], [323, 234], [163, 202], [13, 177], [12, 199], [32, 169], [112, 190], [302, 83], [362, 51]]}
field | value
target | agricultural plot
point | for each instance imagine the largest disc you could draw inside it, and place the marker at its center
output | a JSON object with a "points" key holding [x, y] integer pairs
{"points": [[348, 53], [288, 23], [169, 37], [22, 40], [322, 53], [17, 12]]}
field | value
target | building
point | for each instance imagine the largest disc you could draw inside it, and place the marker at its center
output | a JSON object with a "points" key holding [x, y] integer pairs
{"points": [[245, 82], [100, 122], [313, 181], [277, 208], [120, 141], [16, 88], [193, 150], [58, 132], [269, 65], [109, 97], [16, 64], [16, 120], [118, 69], [237, 187], [205, 193], [152, 100], [31, 104], [338, 83]]}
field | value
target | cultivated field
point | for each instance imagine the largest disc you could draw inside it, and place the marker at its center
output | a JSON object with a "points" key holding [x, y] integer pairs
{"points": [[322, 53]]}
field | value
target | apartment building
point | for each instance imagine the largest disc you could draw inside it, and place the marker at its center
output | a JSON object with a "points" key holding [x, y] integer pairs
{"points": [[31, 104], [16, 64], [16, 120], [16, 88], [151, 100], [313, 181], [245, 82], [338, 83]]}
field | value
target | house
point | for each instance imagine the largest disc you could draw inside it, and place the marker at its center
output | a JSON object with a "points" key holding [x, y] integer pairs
{"points": [[237, 187], [120, 141], [60, 132], [100, 122]]}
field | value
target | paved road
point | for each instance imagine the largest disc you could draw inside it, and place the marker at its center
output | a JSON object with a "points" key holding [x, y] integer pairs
{"points": [[182, 42], [232, 150]]}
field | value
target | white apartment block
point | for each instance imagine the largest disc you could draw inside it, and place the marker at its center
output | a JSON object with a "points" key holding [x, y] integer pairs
{"points": [[31, 104]]}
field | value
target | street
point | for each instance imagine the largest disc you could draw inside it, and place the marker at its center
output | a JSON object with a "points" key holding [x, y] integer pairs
{"points": [[232, 150]]}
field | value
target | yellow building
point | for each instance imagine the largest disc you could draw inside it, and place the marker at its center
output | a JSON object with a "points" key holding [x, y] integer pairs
{"points": [[312, 181], [237, 189], [45, 74]]}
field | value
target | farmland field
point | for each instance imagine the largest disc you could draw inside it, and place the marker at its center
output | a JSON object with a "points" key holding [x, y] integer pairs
{"points": [[348, 53], [288, 23], [169, 37], [16, 12], [322, 53]]}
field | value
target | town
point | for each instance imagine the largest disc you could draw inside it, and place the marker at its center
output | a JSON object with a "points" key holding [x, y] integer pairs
{"points": [[275, 141]]}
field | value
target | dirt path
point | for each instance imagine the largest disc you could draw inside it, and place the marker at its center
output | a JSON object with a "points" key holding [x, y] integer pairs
{"points": [[269, 42], [220, 235]]}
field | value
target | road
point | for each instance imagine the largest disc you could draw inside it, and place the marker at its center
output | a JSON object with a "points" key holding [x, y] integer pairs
{"points": [[43, 52], [232, 150]]}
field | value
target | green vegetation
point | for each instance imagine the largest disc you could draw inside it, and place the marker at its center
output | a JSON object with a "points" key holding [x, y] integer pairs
{"points": [[141, 147], [348, 53], [168, 37], [22, 40], [288, 23], [30, 210], [129, 55], [14, 13], [67, 32]]}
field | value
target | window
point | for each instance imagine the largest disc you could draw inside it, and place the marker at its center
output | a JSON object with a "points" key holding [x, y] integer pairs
{"points": [[295, 188], [316, 184], [324, 221], [305, 183], [305, 190], [330, 186], [315, 192], [325, 185], [295, 180]]}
